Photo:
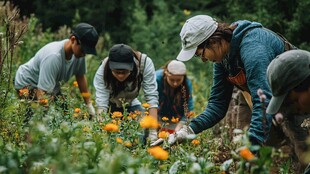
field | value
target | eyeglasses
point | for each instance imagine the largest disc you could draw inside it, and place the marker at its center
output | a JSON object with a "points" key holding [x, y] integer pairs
{"points": [[121, 72], [202, 53]]}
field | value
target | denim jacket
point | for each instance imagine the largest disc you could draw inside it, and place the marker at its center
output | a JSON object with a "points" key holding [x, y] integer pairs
{"points": [[252, 49]]}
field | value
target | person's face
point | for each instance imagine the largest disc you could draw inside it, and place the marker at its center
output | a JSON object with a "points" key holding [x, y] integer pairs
{"points": [[121, 74], [215, 53], [77, 48], [301, 100], [174, 81]]}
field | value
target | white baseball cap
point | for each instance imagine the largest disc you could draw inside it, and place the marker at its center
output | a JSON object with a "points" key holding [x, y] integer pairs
{"points": [[176, 68], [194, 32]]}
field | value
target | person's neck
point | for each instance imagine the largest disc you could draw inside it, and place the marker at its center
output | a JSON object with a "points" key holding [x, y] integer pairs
{"points": [[68, 50]]}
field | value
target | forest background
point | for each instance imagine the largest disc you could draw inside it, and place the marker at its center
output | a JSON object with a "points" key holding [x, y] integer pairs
{"points": [[150, 26]]}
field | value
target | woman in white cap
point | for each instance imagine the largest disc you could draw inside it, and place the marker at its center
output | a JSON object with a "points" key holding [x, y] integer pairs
{"points": [[175, 95], [241, 53], [119, 79]]}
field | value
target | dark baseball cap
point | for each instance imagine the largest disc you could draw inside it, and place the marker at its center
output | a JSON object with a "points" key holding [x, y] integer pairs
{"points": [[88, 36], [284, 73], [121, 56]]}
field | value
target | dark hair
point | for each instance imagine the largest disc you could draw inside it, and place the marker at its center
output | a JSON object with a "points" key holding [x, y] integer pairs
{"points": [[175, 93], [223, 31], [117, 86], [303, 86]]}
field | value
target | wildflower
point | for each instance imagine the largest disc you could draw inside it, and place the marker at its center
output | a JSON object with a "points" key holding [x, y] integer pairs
{"points": [[85, 94], [110, 127], [195, 142], [158, 153], [117, 114], [146, 105], [163, 134], [43, 101], [75, 115], [174, 120], [127, 144], [186, 12], [246, 154], [165, 119], [119, 140], [132, 115], [190, 114], [86, 129], [148, 122], [24, 92], [75, 84], [77, 110]]}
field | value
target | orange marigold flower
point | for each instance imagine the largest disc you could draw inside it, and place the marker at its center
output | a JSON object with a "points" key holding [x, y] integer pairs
{"points": [[119, 140], [190, 114], [117, 114], [77, 110], [163, 134], [85, 94], [43, 101], [146, 105], [165, 119], [158, 153], [127, 144], [75, 84], [110, 127], [132, 115], [24, 92], [246, 154], [174, 120], [195, 142], [148, 122]]}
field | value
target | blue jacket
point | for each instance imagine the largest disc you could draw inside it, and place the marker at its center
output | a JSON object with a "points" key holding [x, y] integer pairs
{"points": [[251, 48], [166, 106]]}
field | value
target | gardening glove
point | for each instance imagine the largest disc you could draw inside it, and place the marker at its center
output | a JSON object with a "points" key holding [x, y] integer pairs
{"points": [[99, 117], [153, 135], [179, 125], [91, 110], [184, 133], [157, 142]]}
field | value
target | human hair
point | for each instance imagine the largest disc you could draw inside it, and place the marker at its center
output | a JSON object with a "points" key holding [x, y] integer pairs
{"points": [[175, 93], [117, 86], [303, 86], [223, 31]]}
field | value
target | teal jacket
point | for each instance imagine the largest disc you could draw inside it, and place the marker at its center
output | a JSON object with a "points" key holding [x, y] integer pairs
{"points": [[252, 48]]}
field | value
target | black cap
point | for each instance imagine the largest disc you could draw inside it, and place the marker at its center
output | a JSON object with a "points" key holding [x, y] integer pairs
{"points": [[121, 56], [88, 36]]}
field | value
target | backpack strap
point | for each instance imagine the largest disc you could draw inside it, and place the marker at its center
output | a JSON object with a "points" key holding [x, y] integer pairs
{"points": [[142, 62]]}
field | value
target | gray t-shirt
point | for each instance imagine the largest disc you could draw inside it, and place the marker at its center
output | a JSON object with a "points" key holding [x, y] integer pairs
{"points": [[48, 69]]}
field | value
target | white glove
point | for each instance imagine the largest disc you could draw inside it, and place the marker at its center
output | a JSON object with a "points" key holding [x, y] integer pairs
{"points": [[157, 142], [91, 109], [153, 135], [99, 111], [184, 133]]}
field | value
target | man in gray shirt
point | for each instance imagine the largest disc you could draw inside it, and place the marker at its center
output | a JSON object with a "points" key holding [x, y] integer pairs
{"points": [[56, 62]]}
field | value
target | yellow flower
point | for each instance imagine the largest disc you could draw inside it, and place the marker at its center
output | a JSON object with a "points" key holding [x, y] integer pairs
{"points": [[246, 154], [75, 115], [132, 115], [174, 120], [196, 142], [158, 153], [86, 129], [119, 140], [110, 127], [148, 122], [127, 144], [77, 110], [75, 84], [24, 92], [165, 119], [85, 94], [146, 105], [163, 134], [117, 114], [186, 12]]}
